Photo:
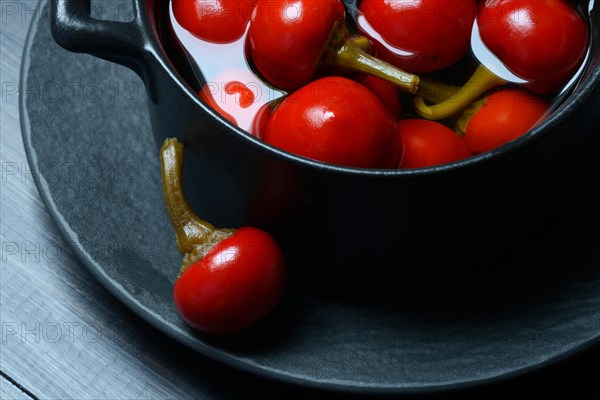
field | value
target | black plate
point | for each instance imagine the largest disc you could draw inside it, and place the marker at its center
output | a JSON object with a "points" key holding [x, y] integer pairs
{"points": [[88, 139]]}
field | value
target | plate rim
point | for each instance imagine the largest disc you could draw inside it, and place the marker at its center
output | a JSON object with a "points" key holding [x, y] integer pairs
{"points": [[219, 355]]}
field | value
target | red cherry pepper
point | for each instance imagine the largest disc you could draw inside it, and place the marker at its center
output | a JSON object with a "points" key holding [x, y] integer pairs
{"points": [[428, 143], [218, 21], [500, 117], [261, 119], [542, 42], [386, 92], [338, 121], [418, 35], [291, 40], [229, 279]]}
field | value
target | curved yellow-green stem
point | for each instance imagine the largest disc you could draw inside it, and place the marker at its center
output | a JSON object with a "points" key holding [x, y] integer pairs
{"points": [[480, 82], [194, 236], [362, 42], [189, 229], [434, 91], [351, 54]]}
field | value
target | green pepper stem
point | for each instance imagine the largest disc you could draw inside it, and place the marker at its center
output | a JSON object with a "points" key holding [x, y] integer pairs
{"points": [[350, 55], [190, 230], [434, 91], [362, 42], [480, 82], [461, 123]]}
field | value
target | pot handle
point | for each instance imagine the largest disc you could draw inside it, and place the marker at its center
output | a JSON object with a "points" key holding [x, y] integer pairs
{"points": [[74, 29]]}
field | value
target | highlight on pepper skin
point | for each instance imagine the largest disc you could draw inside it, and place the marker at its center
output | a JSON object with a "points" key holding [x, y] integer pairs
{"points": [[229, 279]]}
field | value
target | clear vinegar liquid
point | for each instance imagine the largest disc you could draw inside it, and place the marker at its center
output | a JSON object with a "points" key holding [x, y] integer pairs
{"points": [[224, 73], [216, 65]]}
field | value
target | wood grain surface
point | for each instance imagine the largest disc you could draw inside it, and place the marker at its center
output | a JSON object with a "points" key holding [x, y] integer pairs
{"points": [[64, 336], [11, 391]]}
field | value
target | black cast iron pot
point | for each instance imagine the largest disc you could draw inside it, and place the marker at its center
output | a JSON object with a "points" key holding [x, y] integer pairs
{"points": [[337, 224]]}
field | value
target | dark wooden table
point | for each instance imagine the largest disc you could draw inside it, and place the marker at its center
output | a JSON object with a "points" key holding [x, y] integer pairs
{"points": [[64, 336]]}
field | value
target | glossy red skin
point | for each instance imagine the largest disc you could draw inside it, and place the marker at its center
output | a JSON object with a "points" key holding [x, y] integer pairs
{"points": [[386, 92], [435, 33], [236, 284], [261, 119], [506, 115], [218, 21], [543, 42], [338, 121], [429, 143], [287, 38]]}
